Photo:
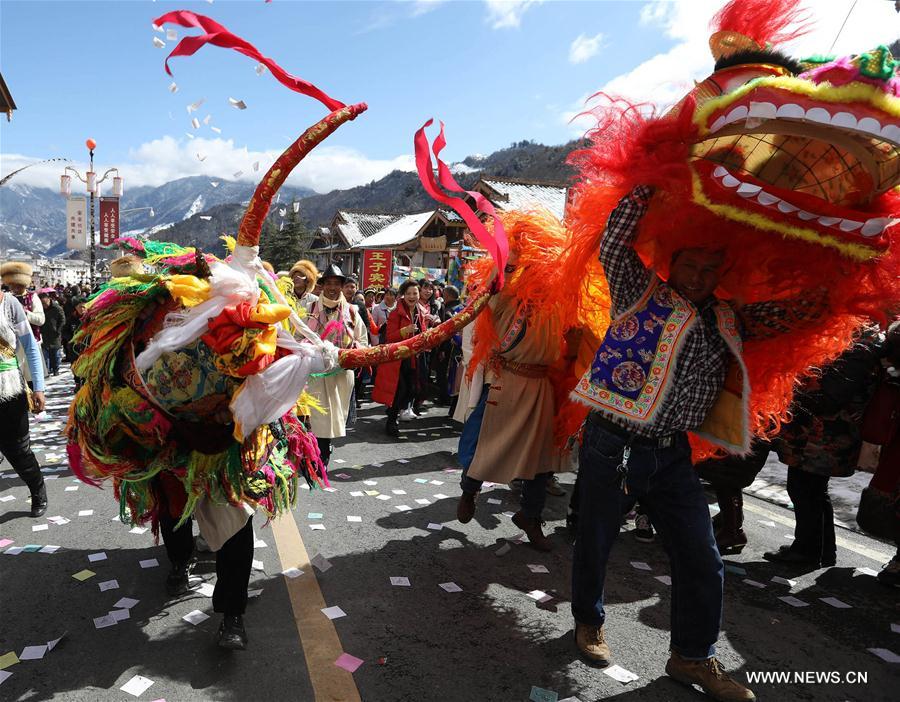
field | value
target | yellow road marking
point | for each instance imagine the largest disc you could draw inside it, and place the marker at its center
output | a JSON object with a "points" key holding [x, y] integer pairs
{"points": [[875, 555], [321, 645]]}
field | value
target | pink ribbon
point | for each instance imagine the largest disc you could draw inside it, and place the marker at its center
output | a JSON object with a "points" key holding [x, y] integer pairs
{"points": [[496, 244], [218, 35]]}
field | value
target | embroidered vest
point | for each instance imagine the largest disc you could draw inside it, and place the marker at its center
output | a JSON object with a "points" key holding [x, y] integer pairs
{"points": [[634, 367]]}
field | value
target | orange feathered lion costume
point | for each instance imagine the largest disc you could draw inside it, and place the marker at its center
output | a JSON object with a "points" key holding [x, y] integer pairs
{"points": [[789, 167]]}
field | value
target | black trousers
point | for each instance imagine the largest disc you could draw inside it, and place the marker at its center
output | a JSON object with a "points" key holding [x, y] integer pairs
{"points": [[15, 442], [233, 561], [324, 449], [405, 392], [814, 531]]}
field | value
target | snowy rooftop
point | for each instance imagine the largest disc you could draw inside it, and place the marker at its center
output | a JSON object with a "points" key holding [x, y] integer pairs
{"points": [[353, 227], [400, 232], [522, 195]]}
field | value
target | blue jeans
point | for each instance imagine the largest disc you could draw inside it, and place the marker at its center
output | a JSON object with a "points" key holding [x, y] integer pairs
{"points": [[52, 358], [666, 484], [534, 491]]}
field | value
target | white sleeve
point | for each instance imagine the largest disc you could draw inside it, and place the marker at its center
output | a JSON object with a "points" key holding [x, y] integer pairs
{"points": [[36, 316]]}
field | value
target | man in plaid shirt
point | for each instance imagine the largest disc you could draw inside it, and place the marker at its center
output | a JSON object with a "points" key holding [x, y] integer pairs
{"points": [[651, 460]]}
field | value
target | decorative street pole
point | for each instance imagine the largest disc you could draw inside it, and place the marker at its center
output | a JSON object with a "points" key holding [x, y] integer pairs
{"points": [[93, 185]]}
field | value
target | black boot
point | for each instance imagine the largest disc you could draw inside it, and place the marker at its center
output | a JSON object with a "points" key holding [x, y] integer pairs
{"points": [[730, 536], [231, 633], [178, 580], [392, 429], [39, 501]]}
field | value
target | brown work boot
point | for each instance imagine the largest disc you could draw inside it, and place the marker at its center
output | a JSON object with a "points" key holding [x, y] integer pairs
{"points": [[591, 643], [709, 675], [532, 529], [465, 508]]}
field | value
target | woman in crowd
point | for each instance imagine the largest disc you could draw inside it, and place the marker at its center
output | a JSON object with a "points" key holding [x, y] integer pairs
{"points": [[397, 383]]}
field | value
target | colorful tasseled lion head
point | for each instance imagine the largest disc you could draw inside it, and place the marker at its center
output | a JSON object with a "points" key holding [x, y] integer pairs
{"points": [[806, 149]]}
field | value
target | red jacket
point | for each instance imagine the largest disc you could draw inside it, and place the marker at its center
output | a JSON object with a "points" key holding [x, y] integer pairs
{"points": [[389, 373]]}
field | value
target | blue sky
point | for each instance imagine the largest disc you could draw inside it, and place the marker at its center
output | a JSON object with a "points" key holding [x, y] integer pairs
{"points": [[495, 72]]}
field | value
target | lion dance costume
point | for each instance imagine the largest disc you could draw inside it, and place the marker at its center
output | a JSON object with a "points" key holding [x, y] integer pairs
{"points": [[192, 373]]}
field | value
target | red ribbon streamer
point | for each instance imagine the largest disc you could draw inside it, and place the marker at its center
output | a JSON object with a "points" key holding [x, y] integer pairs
{"points": [[218, 35], [497, 244]]}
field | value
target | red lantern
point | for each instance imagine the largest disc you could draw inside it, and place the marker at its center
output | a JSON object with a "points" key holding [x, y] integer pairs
{"points": [[91, 144]]}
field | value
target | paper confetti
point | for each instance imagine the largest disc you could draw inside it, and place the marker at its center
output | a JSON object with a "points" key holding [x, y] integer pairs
{"points": [[216, 130], [539, 595], [158, 43], [258, 565], [120, 614], [194, 106], [450, 587], [353, 518], [260, 69], [171, 34], [104, 621], [33, 653], [835, 602], [619, 673], [94, 557], [40, 527], [321, 563], [783, 581], [794, 601], [292, 572], [334, 612], [8, 659], [108, 585], [400, 581], [885, 654], [537, 568], [125, 603], [640, 565], [173, 88], [195, 617], [664, 579], [754, 583], [539, 694], [86, 513], [239, 104], [434, 526], [83, 575], [137, 686], [149, 563], [348, 662]]}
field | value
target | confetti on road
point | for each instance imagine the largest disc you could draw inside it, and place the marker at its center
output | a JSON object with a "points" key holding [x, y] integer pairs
{"points": [[353, 518], [195, 617], [321, 563], [137, 686], [348, 662], [783, 581], [108, 585], [292, 572], [885, 654], [8, 659], [539, 694], [664, 579], [619, 673], [33, 653], [83, 575], [450, 587], [754, 583], [94, 557], [400, 581], [126, 603], [835, 602], [333, 612], [537, 568], [640, 565], [794, 601], [149, 563]]}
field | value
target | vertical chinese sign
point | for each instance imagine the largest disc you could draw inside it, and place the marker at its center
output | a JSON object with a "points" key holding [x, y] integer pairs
{"points": [[109, 220], [377, 268], [76, 231]]}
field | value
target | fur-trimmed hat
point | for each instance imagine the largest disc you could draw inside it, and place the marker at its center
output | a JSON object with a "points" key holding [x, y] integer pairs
{"points": [[16, 272], [125, 266], [307, 268]]}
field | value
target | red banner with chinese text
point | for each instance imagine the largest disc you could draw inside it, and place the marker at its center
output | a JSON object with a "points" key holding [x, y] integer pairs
{"points": [[377, 268], [109, 220]]}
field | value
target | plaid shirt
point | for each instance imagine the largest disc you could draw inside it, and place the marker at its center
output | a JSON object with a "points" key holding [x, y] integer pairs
{"points": [[702, 362]]}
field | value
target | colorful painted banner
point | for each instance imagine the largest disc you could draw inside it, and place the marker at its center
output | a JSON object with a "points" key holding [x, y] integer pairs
{"points": [[109, 220], [76, 224], [377, 266], [402, 273]]}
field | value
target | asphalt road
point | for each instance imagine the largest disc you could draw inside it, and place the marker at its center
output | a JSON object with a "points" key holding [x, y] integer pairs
{"points": [[490, 641]]}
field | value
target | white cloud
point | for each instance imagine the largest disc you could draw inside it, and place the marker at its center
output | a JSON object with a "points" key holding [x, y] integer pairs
{"points": [[166, 159], [507, 14], [422, 7], [585, 47], [664, 78]]}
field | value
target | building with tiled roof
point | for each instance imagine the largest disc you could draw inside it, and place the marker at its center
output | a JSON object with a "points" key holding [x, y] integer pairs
{"points": [[517, 194]]}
